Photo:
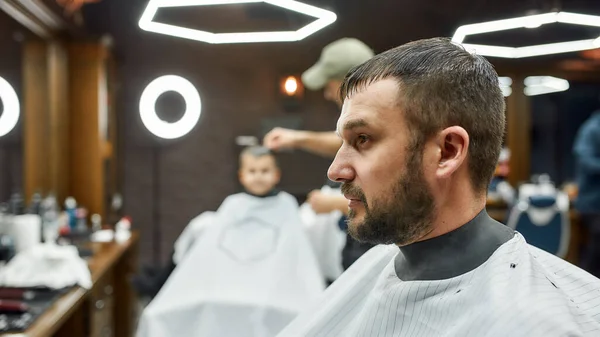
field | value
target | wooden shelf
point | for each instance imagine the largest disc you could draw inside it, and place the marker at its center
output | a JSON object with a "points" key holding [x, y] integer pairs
{"points": [[110, 267]]}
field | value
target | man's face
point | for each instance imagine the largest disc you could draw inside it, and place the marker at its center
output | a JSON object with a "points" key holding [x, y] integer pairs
{"points": [[259, 175], [382, 169], [332, 92]]}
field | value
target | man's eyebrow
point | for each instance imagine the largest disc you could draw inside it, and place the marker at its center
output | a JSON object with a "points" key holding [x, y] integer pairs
{"points": [[352, 124]]}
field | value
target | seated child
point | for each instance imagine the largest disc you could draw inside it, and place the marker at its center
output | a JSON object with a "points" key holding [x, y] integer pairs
{"points": [[249, 270], [150, 281]]}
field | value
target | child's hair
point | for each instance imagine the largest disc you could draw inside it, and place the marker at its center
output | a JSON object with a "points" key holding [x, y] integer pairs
{"points": [[257, 152]]}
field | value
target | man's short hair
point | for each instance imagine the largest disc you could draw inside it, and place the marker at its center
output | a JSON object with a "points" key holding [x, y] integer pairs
{"points": [[257, 152], [441, 85]]}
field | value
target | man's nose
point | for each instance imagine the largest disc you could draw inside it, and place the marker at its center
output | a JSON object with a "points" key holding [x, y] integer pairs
{"points": [[340, 169]]}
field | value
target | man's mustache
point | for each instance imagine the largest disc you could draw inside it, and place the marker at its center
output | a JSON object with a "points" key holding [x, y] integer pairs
{"points": [[354, 191]]}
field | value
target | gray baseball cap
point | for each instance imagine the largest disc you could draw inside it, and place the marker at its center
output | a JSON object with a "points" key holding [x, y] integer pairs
{"points": [[337, 58]]}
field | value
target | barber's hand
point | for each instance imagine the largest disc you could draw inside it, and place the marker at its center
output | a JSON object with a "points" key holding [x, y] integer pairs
{"points": [[280, 138], [322, 203]]}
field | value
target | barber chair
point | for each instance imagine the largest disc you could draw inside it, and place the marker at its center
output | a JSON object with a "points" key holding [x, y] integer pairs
{"points": [[541, 215]]}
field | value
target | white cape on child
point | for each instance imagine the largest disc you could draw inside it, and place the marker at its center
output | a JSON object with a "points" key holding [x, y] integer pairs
{"points": [[248, 275]]}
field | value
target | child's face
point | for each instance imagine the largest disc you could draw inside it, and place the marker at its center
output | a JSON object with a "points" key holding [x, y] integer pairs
{"points": [[259, 175]]}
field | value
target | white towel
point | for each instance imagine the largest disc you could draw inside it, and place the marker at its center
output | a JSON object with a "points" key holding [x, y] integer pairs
{"points": [[47, 265]]}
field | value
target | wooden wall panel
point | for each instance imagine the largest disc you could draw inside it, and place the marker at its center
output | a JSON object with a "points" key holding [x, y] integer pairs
{"points": [[59, 119], [86, 64], [35, 118], [46, 119], [64, 110], [518, 114]]}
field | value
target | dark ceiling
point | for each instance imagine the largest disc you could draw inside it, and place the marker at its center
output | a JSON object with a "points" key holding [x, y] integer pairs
{"points": [[381, 23], [11, 30], [442, 16], [386, 22]]}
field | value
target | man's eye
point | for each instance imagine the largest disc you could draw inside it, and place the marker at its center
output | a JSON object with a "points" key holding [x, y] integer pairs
{"points": [[361, 140]]}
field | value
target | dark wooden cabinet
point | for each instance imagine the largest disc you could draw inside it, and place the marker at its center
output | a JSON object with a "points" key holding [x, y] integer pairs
{"points": [[101, 307]]}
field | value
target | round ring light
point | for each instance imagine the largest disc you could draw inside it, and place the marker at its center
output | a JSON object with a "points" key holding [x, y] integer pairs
{"points": [[10, 115], [192, 113]]}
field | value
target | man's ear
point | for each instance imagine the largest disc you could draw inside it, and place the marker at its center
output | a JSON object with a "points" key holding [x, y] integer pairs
{"points": [[454, 144]]}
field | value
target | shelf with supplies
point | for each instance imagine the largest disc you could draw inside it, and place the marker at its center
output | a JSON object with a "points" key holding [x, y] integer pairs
{"points": [[107, 309]]}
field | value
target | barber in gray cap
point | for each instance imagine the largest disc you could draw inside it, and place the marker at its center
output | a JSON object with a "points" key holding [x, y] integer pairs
{"points": [[336, 60]]}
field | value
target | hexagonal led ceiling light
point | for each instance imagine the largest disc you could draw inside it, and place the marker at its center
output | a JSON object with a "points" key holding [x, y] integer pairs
{"points": [[540, 85], [324, 18], [505, 85], [535, 85], [531, 21]]}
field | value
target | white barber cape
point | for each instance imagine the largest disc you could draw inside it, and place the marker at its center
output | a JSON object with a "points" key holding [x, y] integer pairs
{"points": [[190, 233], [248, 275], [519, 291], [324, 233]]}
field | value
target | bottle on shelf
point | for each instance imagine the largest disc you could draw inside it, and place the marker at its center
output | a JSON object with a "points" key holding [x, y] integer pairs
{"points": [[96, 222], [123, 229], [81, 214], [71, 210], [35, 206], [50, 219], [4, 218], [16, 204], [7, 246]]}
